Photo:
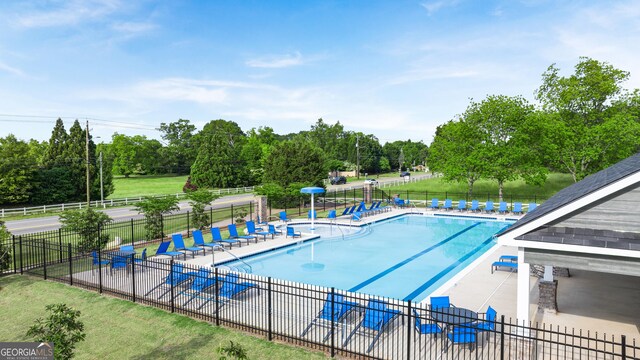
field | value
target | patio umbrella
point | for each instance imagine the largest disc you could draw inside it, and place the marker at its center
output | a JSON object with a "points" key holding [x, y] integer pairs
{"points": [[312, 190]]}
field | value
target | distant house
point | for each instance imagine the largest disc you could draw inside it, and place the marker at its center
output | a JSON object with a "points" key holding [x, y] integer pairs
{"points": [[592, 225]]}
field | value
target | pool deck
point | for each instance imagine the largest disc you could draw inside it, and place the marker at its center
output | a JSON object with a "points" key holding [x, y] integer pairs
{"points": [[587, 300]]}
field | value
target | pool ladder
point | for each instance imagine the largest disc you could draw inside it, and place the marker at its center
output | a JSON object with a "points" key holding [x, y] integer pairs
{"points": [[242, 269]]}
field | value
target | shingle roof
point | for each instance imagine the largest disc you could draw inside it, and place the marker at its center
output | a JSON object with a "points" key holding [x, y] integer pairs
{"points": [[582, 188]]}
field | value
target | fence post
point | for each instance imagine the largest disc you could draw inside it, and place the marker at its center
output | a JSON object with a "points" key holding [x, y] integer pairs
{"points": [[13, 241], [251, 210], [216, 297], [100, 270], [232, 213], [502, 337], [269, 308], [60, 243], [211, 216], [44, 257], [171, 277], [333, 323], [70, 264], [624, 347], [162, 226], [409, 330], [132, 241], [133, 276], [188, 224], [21, 262], [335, 200]]}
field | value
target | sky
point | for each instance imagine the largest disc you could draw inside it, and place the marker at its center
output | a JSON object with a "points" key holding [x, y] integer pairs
{"points": [[396, 69]]}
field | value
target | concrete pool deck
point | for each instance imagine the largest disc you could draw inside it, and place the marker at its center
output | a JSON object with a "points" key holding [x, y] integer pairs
{"points": [[590, 301]]}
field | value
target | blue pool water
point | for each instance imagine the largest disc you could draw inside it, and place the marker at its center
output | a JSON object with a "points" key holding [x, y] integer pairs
{"points": [[405, 258]]}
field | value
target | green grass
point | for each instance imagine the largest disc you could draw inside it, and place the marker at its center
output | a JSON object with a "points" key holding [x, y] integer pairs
{"points": [[555, 182], [118, 329], [147, 185]]}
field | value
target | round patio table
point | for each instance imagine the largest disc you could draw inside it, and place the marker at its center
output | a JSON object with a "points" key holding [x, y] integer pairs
{"points": [[454, 315]]}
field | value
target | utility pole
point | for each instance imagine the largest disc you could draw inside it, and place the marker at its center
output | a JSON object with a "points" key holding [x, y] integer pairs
{"points": [[101, 185], [401, 160], [358, 155], [88, 182]]}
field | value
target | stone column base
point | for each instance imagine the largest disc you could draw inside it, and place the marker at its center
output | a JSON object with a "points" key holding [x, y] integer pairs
{"points": [[548, 298]]}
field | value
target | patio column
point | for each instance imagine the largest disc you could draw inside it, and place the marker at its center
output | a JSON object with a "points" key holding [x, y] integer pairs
{"points": [[522, 308], [548, 291]]}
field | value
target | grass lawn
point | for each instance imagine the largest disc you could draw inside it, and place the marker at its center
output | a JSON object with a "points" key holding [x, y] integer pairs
{"points": [[118, 329], [555, 182], [135, 186]]}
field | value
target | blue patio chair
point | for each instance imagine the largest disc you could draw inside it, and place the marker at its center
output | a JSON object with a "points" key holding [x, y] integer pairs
{"points": [[462, 335], [142, 259], [502, 208], [315, 215], [96, 261], [462, 205], [178, 245], [345, 211], [362, 207], [377, 318], [512, 258], [198, 240], [357, 216], [488, 206], [292, 232], [532, 206], [341, 309], [517, 208], [175, 278], [331, 215], [260, 221], [428, 328], [216, 238], [202, 282], [434, 204], [233, 234], [448, 204], [273, 231], [440, 302], [513, 266], [232, 287], [399, 202], [475, 206], [163, 250], [489, 322], [252, 230], [127, 248], [283, 216]]}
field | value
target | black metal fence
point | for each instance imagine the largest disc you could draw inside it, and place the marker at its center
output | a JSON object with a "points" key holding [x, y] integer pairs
{"points": [[337, 322]]}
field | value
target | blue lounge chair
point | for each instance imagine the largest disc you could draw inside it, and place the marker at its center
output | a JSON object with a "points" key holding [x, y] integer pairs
{"points": [[488, 206], [251, 229], [96, 261], [283, 216], [163, 250], [502, 208], [462, 335], [232, 287], [357, 216], [475, 206], [448, 204], [513, 266], [440, 302], [462, 205], [429, 328], [202, 282], [434, 204], [346, 210], [216, 238], [291, 232], [377, 318], [532, 207], [178, 245], [127, 248], [362, 207], [341, 309], [198, 240], [315, 215], [233, 234], [259, 221], [331, 215], [512, 258], [273, 231], [517, 208], [175, 278]]}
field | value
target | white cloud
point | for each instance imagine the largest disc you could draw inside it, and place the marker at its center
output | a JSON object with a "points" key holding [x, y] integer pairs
{"points": [[133, 28], [434, 6], [10, 69], [277, 61], [70, 13]]}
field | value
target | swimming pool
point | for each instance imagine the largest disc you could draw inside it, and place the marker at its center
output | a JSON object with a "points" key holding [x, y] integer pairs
{"points": [[406, 257]]}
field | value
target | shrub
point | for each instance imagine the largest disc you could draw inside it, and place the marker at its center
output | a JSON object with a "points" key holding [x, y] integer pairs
{"points": [[88, 224], [61, 327]]}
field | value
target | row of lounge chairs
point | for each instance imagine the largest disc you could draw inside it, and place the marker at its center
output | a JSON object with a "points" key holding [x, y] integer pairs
{"points": [[489, 207], [377, 317]]}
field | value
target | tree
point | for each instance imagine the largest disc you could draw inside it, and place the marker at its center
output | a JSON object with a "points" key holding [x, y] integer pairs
{"points": [[181, 150], [414, 153], [75, 155], [62, 328], [16, 171], [588, 131], [57, 145], [256, 149], [5, 250], [89, 225], [295, 162], [52, 186], [219, 163], [153, 210], [199, 199], [134, 154]]}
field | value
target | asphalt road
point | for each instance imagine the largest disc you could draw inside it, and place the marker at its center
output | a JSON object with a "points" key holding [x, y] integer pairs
{"points": [[25, 226]]}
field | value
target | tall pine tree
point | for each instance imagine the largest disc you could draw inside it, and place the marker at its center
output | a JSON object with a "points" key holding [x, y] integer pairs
{"points": [[57, 143]]}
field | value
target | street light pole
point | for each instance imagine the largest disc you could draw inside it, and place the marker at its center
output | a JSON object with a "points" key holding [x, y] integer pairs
{"points": [[87, 167]]}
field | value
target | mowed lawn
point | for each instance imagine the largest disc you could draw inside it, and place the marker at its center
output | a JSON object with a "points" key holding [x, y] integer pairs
{"points": [[118, 329], [135, 186], [555, 182]]}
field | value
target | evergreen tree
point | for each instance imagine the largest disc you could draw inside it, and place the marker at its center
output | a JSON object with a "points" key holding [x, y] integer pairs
{"points": [[16, 171], [57, 145]]}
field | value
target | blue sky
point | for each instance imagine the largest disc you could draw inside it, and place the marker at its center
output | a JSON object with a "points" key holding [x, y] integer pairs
{"points": [[396, 69]]}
